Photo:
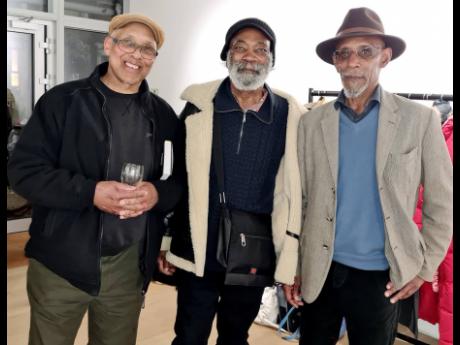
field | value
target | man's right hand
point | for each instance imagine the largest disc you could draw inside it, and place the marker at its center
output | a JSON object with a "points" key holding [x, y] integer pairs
{"points": [[164, 265], [292, 293], [108, 195]]}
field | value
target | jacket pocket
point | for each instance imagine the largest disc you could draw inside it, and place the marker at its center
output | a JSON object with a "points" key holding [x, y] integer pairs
{"points": [[402, 169], [62, 219]]}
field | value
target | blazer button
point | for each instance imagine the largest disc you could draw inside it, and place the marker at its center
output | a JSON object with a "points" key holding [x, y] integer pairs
{"points": [[329, 219], [325, 247]]}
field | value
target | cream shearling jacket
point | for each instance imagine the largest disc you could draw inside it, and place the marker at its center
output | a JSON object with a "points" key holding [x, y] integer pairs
{"points": [[286, 215]]}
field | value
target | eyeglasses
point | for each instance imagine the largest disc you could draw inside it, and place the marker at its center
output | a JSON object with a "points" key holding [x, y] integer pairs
{"points": [[243, 49], [366, 52], [129, 46]]}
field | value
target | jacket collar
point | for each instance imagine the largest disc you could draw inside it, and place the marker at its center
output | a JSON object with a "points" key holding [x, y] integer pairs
{"points": [[224, 102]]}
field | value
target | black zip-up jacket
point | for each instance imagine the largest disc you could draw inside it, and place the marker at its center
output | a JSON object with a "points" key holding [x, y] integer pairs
{"points": [[62, 153]]}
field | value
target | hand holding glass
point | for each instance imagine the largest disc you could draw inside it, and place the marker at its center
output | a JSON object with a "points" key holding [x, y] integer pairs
{"points": [[132, 173]]}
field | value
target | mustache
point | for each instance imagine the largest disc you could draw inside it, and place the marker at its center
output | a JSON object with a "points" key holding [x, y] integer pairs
{"points": [[352, 75], [254, 67]]}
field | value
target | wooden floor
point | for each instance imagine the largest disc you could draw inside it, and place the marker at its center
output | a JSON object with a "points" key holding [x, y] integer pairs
{"points": [[15, 252], [156, 320]]}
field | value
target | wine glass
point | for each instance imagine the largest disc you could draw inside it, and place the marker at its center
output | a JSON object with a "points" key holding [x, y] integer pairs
{"points": [[132, 173]]}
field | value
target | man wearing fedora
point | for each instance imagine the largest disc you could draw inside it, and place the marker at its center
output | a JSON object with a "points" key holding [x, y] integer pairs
{"points": [[258, 132], [362, 159], [94, 240]]}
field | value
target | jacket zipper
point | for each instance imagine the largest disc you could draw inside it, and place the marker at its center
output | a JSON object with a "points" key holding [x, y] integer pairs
{"points": [[243, 121], [101, 225], [154, 139]]}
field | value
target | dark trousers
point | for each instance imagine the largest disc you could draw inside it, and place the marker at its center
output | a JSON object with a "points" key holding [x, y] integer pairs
{"points": [[358, 296], [198, 301]]}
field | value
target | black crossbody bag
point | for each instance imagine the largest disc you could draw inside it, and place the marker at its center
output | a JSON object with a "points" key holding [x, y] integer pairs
{"points": [[245, 245]]}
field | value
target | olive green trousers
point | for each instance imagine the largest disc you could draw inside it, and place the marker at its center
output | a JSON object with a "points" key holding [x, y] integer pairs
{"points": [[57, 307]]}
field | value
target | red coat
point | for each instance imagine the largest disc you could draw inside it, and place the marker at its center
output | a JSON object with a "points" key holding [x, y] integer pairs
{"points": [[437, 307]]}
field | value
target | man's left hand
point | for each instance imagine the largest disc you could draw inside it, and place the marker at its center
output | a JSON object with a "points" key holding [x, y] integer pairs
{"points": [[137, 206], [406, 291]]}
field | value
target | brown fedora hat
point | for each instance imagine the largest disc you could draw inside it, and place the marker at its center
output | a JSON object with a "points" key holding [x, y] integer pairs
{"points": [[360, 22]]}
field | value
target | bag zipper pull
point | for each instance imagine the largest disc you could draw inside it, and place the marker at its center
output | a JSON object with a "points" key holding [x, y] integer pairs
{"points": [[243, 240]]}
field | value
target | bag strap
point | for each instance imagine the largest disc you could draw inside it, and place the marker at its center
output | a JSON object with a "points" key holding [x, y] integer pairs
{"points": [[218, 159], [284, 320]]}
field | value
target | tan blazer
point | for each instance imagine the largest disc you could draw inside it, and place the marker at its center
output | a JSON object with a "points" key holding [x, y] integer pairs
{"points": [[410, 151]]}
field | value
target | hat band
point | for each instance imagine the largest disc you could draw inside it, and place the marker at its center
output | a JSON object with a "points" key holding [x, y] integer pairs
{"points": [[360, 29]]}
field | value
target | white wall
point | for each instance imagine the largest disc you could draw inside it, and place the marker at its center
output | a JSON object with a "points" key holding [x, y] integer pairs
{"points": [[195, 32]]}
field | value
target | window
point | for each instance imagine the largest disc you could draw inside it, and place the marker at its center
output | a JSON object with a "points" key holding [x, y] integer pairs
{"points": [[19, 75], [26, 81], [94, 9], [35, 5], [83, 51]]}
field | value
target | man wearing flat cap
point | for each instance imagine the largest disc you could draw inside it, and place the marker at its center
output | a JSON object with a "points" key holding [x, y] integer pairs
{"points": [[255, 130], [93, 239], [362, 159]]}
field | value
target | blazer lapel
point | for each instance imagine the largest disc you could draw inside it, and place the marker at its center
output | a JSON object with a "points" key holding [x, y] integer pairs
{"points": [[330, 128], [387, 128]]}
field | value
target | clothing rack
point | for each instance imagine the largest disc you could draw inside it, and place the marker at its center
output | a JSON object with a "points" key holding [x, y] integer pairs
{"points": [[418, 96]]}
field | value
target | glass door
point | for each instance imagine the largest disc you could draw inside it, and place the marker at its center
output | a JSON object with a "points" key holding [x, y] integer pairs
{"points": [[26, 82]]}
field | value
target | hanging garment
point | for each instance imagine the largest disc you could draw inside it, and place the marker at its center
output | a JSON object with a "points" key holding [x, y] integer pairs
{"points": [[436, 298]]}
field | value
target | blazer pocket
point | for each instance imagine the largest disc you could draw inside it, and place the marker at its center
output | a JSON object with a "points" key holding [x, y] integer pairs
{"points": [[402, 168]]}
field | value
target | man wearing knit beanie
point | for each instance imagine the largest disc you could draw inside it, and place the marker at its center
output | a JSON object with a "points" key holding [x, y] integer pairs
{"points": [[251, 129]]}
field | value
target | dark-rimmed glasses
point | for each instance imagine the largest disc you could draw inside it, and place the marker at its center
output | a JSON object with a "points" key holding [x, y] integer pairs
{"points": [[129, 46], [366, 52]]}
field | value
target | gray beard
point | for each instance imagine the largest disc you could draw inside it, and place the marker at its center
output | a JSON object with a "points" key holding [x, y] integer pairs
{"points": [[248, 81], [354, 93]]}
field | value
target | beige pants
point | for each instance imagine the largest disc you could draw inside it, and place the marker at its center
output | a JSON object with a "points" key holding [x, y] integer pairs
{"points": [[57, 307]]}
